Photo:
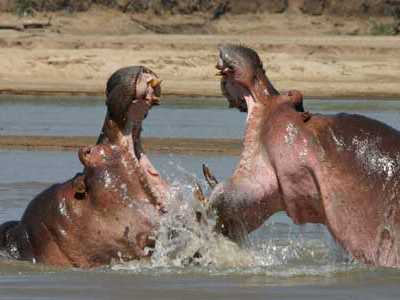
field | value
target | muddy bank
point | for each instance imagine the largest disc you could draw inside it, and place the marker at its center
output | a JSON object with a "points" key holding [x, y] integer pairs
{"points": [[188, 146]]}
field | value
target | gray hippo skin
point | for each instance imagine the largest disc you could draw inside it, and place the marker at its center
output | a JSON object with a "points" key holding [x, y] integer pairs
{"points": [[112, 209], [339, 170]]}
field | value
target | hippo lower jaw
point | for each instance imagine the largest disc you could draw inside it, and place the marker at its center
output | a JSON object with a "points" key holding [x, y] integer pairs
{"points": [[235, 99], [149, 177]]}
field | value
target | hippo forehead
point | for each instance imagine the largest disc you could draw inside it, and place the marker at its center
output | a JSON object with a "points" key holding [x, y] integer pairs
{"points": [[238, 54], [127, 78], [121, 90]]}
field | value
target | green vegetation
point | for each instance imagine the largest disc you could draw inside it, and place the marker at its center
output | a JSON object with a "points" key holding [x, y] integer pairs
{"points": [[382, 29], [25, 8], [392, 28]]}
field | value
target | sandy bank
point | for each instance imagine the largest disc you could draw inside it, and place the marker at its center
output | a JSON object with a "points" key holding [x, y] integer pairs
{"points": [[311, 58]]}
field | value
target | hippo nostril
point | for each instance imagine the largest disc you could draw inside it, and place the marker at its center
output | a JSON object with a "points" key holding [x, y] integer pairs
{"points": [[88, 151]]}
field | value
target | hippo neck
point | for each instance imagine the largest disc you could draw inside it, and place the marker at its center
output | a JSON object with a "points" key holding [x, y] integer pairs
{"points": [[257, 110], [263, 88]]}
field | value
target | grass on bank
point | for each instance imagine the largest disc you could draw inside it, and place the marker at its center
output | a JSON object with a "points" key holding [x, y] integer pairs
{"points": [[25, 8]]}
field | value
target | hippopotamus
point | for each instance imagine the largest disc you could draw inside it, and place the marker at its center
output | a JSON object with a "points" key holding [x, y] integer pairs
{"points": [[131, 92], [110, 210], [339, 170]]}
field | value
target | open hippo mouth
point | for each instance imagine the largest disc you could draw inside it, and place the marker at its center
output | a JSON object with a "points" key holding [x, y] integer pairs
{"points": [[233, 94], [131, 93], [149, 177], [241, 71], [231, 90], [238, 67]]}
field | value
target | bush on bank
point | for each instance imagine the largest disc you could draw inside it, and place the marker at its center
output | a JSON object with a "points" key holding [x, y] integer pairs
{"points": [[214, 7]]}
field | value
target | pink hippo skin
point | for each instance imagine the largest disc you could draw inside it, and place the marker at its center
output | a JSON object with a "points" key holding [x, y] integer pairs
{"points": [[339, 170], [110, 210]]}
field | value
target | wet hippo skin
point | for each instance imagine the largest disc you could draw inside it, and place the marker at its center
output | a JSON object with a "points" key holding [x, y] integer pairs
{"points": [[112, 208], [339, 170]]}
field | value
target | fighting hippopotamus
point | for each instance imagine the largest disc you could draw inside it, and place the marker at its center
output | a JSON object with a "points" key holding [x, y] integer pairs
{"points": [[339, 170], [112, 209]]}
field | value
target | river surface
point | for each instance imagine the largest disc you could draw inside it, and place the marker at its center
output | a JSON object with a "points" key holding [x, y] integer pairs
{"points": [[278, 261], [201, 118]]}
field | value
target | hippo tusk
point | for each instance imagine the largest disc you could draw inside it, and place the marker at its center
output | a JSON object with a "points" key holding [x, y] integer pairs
{"points": [[155, 82], [199, 194], [156, 100], [210, 178], [153, 100]]}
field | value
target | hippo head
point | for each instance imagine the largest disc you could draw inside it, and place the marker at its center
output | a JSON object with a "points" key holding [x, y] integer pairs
{"points": [[241, 70], [120, 179], [131, 92], [243, 202]]}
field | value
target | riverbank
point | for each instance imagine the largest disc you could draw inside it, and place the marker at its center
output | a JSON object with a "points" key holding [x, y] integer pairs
{"points": [[316, 55], [186, 146]]}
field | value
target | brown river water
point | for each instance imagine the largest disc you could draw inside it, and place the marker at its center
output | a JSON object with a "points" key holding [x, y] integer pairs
{"points": [[278, 261]]}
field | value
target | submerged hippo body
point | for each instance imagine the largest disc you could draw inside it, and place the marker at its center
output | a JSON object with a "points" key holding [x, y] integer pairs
{"points": [[109, 219], [339, 170], [111, 209]]}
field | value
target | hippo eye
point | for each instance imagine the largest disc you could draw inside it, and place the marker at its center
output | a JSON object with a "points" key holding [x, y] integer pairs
{"points": [[88, 151]]}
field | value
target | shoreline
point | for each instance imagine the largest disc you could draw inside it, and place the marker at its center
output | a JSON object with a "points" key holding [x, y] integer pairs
{"points": [[152, 145]]}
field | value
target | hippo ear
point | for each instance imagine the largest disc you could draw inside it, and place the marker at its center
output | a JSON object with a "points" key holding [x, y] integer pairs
{"points": [[78, 183]]}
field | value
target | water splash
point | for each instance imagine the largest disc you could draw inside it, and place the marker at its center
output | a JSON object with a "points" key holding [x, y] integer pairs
{"points": [[278, 248]]}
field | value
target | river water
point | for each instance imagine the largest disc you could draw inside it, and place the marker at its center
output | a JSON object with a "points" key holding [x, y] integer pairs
{"points": [[278, 261]]}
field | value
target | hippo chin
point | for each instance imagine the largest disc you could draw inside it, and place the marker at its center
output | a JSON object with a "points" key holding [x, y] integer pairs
{"points": [[339, 170], [112, 209]]}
